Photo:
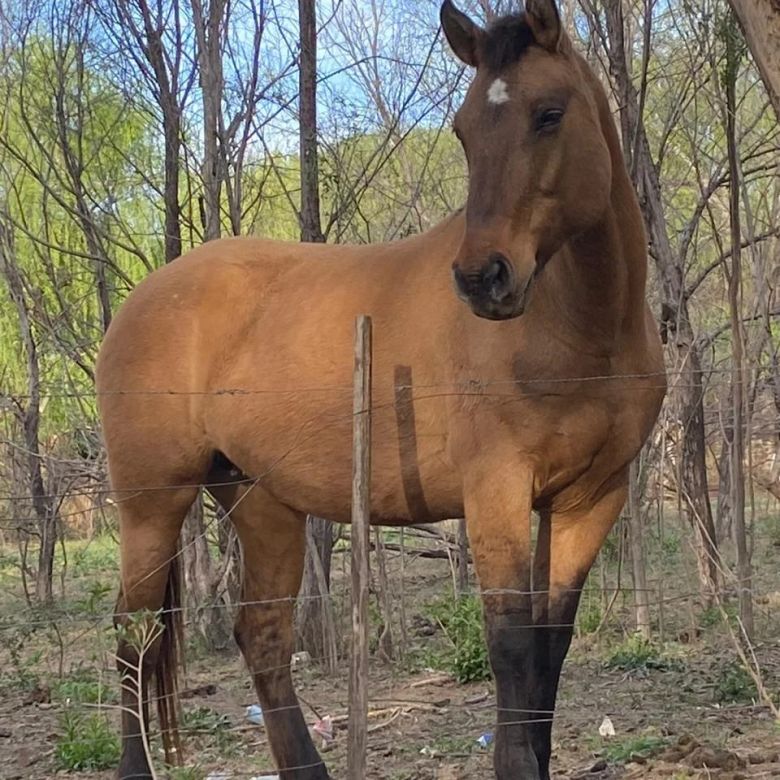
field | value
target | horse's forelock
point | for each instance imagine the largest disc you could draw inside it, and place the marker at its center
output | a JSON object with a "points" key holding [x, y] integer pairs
{"points": [[505, 42]]}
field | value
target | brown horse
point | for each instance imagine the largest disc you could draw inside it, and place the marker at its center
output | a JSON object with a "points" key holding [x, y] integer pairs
{"points": [[237, 359]]}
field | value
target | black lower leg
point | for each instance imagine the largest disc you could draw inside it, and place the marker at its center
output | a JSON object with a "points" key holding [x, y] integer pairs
{"points": [[552, 646], [511, 646]]}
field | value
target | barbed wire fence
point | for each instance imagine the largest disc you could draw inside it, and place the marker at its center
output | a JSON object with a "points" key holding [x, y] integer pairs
{"points": [[661, 596]]}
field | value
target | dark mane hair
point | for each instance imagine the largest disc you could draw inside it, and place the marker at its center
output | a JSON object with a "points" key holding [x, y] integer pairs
{"points": [[505, 42]]}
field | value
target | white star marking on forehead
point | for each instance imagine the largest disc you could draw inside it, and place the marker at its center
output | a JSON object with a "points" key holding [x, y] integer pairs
{"points": [[498, 94]]}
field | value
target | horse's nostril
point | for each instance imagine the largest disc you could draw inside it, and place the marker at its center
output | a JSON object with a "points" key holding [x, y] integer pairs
{"points": [[498, 277], [493, 282]]}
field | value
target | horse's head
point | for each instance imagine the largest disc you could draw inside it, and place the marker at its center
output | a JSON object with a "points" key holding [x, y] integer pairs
{"points": [[539, 165]]}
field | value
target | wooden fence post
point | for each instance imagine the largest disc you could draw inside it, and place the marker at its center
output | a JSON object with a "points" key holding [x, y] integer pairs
{"points": [[361, 517]]}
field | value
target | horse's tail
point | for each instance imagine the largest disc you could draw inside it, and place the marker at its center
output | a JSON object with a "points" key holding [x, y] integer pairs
{"points": [[168, 660]]}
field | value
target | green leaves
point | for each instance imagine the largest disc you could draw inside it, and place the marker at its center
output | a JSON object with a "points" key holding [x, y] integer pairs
{"points": [[466, 657], [88, 742]]}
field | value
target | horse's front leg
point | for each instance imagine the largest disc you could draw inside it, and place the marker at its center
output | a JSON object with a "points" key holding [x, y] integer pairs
{"points": [[567, 545], [497, 499]]}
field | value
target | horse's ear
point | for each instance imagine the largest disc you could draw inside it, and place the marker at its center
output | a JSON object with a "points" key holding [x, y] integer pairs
{"points": [[545, 23], [463, 35]]}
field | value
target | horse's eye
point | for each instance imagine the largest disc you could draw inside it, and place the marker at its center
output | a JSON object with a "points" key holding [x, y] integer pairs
{"points": [[549, 119]]}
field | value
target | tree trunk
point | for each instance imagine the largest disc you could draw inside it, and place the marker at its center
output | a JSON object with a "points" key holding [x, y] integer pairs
{"points": [[386, 645], [208, 31], [70, 141], [43, 505], [172, 135], [208, 610], [682, 347], [744, 568], [724, 514], [316, 629], [760, 21], [694, 475], [311, 227], [313, 614], [145, 45], [638, 563]]}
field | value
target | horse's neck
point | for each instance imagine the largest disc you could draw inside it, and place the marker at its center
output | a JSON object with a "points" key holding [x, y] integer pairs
{"points": [[597, 283], [595, 286]]}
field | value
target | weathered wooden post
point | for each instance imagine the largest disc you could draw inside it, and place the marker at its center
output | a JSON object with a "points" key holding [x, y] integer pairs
{"points": [[361, 517]]}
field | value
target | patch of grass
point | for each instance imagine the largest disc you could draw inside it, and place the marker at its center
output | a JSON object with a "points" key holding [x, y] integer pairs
{"points": [[589, 618], [185, 773], [204, 719], [622, 751], [94, 603], [670, 545], [636, 652], [97, 555], [609, 550], [773, 529], [196, 648], [20, 674], [88, 742], [83, 687], [204, 722], [447, 745], [734, 684], [712, 616], [466, 658]]}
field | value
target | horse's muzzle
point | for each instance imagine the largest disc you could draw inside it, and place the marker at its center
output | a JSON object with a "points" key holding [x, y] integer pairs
{"points": [[492, 291]]}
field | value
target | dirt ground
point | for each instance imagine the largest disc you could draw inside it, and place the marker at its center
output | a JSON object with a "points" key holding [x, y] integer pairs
{"points": [[669, 719], [425, 727]]}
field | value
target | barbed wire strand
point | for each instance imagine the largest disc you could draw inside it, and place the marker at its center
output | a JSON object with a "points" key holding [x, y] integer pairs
{"points": [[464, 382], [66, 618]]}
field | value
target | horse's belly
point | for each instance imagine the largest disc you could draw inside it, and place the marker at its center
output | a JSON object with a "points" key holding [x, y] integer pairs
{"points": [[302, 454]]}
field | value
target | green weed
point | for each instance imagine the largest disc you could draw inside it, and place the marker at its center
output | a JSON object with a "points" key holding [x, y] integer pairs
{"points": [[734, 684], [20, 674], [98, 555], [589, 618], [204, 719], [670, 545], [448, 745], [622, 751], [636, 652], [88, 742], [83, 687], [186, 773], [94, 603], [466, 658], [713, 616], [773, 529]]}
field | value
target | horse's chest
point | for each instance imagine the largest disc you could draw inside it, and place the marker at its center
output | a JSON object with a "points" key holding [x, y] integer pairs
{"points": [[564, 433], [581, 440]]}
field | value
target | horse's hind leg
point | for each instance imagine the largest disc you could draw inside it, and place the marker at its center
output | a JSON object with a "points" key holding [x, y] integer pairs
{"points": [[149, 529], [273, 544]]}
